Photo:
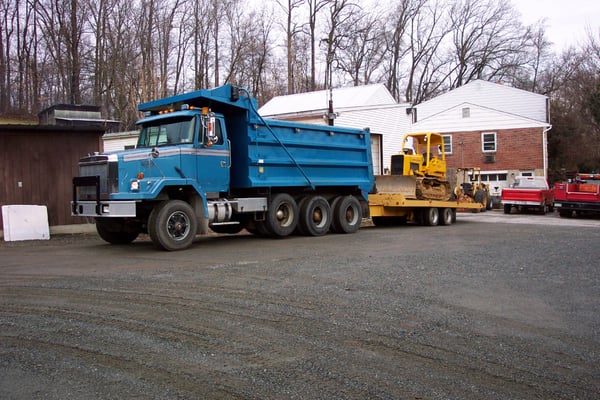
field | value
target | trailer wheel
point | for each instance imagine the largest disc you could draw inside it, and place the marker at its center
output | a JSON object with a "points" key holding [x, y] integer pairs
{"points": [[347, 214], [507, 208], [315, 216], [446, 216], [117, 230], [172, 225], [282, 215], [432, 216]]}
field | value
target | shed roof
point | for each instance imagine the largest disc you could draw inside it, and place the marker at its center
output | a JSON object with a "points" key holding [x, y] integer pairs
{"points": [[343, 98]]}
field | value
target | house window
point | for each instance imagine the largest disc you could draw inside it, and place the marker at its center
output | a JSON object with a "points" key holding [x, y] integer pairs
{"points": [[447, 144], [488, 142], [466, 112]]}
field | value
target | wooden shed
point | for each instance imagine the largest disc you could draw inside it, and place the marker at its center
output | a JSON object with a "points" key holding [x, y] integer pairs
{"points": [[38, 162]]}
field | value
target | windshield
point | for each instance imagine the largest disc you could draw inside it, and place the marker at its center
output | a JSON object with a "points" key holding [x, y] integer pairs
{"points": [[167, 132]]}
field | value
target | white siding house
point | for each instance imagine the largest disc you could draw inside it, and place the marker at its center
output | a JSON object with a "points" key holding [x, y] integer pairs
{"points": [[120, 140], [495, 127], [370, 106], [490, 95]]}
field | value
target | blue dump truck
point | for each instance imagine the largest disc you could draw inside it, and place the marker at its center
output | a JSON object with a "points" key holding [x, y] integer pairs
{"points": [[207, 159]]}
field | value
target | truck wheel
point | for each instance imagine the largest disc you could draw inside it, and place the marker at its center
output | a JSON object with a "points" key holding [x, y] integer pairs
{"points": [[507, 208], [489, 204], [565, 213], [315, 216], [432, 216], [347, 215], [282, 215], [480, 197], [172, 225], [446, 214], [117, 230]]}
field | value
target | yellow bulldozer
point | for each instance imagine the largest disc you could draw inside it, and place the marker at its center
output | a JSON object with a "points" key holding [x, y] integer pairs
{"points": [[420, 170]]}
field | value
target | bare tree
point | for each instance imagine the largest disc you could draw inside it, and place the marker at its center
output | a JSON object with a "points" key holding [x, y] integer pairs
{"points": [[62, 25], [292, 28], [486, 35], [426, 35], [123, 64], [314, 7], [200, 28], [339, 12], [396, 50], [6, 33], [361, 53]]}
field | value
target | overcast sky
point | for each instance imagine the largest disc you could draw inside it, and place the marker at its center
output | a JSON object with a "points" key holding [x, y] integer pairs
{"points": [[566, 19]]}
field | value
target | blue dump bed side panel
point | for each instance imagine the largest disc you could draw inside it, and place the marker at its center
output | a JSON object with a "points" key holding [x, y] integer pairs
{"points": [[286, 154]]}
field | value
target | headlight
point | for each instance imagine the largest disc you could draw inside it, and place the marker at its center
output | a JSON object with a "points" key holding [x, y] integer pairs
{"points": [[135, 186]]}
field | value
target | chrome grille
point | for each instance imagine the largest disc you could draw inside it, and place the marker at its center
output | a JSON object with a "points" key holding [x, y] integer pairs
{"points": [[107, 171]]}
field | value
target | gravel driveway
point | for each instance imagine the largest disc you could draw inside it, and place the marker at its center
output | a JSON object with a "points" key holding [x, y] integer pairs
{"points": [[482, 309]]}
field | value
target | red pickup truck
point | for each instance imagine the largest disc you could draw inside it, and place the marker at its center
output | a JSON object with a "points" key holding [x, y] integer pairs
{"points": [[528, 193], [579, 195]]}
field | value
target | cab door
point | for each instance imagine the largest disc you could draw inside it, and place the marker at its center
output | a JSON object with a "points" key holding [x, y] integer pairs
{"points": [[213, 156]]}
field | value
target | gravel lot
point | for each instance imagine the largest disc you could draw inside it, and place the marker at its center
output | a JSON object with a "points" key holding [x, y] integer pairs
{"points": [[493, 307]]}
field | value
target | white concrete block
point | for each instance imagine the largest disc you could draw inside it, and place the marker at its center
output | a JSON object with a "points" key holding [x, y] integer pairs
{"points": [[25, 222]]}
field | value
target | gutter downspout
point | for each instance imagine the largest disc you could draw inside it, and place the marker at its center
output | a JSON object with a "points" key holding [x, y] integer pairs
{"points": [[545, 150]]}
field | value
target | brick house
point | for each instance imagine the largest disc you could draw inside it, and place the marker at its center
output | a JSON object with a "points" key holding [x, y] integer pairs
{"points": [[500, 129]]}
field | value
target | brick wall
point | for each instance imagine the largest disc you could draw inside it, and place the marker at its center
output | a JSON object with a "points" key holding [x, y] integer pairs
{"points": [[517, 149]]}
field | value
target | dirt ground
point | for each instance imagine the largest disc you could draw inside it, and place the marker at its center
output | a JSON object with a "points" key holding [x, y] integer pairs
{"points": [[481, 309]]}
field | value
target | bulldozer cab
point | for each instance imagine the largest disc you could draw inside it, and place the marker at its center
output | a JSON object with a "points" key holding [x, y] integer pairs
{"points": [[422, 155]]}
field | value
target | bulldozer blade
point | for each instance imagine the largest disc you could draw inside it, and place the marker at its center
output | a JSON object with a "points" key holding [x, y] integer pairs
{"points": [[405, 185]]}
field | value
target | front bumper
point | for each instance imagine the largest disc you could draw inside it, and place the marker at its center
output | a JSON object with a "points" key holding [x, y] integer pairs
{"points": [[97, 207], [577, 206], [522, 203], [103, 208]]}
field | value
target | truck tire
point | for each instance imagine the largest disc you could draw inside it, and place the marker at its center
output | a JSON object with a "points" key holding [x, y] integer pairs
{"points": [[481, 198], [315, 216], [172, 225], [489, 204], [565, 213], [446, 216], [282, 216], [432, 216], [507, 208], [347, 214], [117, 230]]}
